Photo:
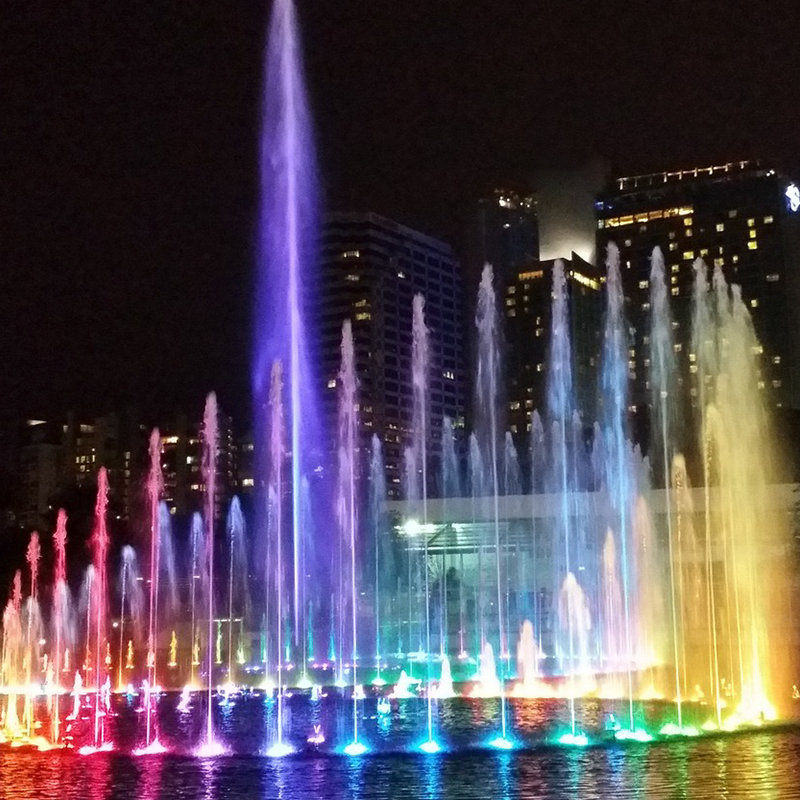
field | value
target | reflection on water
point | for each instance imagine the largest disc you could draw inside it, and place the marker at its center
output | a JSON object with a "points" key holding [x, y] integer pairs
{"points": [[744, 766], [750, 766]]}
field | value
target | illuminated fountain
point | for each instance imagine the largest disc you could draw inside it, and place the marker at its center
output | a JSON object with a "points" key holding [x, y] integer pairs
{"points": [[621, 582]]}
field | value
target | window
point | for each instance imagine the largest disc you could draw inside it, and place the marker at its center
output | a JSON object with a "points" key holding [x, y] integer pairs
{"points": [[675, 291], [776, 359], [643, 284], [768, 220], [754, 303], [363, 315], [733, 213], [773, 277], [718, 262], [752, 245], [688, 231], [720, 227], [676, 268], [673, 280], [752, 234], [751, 222], [688, 255], [687, 221], [673, 245]]}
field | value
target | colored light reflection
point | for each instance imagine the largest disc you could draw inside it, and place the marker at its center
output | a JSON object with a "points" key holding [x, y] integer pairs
{"points": [[355, 749], [574, 739], [635, 735], [210, 750], [280, 750], [672, 729], [88, 750], [430, 746], [501, 743], [153, 749]]}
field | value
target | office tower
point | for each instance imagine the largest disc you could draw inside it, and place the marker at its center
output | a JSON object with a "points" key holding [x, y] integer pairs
{"points": [[741, 217], [371, 268]]}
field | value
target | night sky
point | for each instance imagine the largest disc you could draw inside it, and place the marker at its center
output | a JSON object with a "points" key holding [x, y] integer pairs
{"points": [[128, 143]]}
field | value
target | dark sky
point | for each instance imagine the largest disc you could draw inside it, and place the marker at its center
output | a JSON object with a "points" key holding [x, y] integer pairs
{"points": [[128, 142]]}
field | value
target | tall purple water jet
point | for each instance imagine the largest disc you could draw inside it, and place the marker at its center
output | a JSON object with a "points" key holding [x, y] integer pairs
{"points": [[377, 485], [346, 498], [419, 387], [197, 574], [286, 239], [210, 445]]}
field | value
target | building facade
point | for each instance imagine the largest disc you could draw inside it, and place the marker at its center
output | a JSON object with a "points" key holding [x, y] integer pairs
{"points": [[528, 314], [738, 217], [370, 270]]}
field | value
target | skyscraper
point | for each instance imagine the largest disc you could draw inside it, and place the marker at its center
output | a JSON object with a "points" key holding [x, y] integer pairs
{"points": [[371, 268], [740, 217]]}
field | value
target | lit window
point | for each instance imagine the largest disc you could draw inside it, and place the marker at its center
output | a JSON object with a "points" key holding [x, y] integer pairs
{"points": [[704, 252], [512, 289], [688, 255], [672, 234], [628, 243], [688, 231], [687, 221], [514, 405], [351, 277], [363, 315], [673, 280], [678, 347], [735, 259], [675, 291], [401, 274], [512, 312], [720, 227], [247, 482], [773, 277], [752, 234], [754, 303], [332, 383], [673, 245], [676, 268], [733, 213], [776, 359], [511, 302], [718, 262], [752, 245], [751, 222], [539, 367], [643, 284], [768, 220], [645, 306], [776, 384], [361, 303], [692, 368]]}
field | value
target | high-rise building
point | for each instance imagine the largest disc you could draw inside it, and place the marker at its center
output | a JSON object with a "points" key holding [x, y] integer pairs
{"points": [[741, 217], [528, 313], [371, 268], [505, 234]]}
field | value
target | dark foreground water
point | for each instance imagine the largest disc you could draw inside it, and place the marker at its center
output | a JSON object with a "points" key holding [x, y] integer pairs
{"points": [[755, 764]]}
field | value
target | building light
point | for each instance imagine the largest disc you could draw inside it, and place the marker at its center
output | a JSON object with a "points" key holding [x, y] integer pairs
{"points": [[752, 245], [169, 440], [673, 280], [539, 367], [688, 232], [776, 359], [628, 243], [510, 302], [776, 384], [688, 255], [362, 315], [675, 291], [531, 276], [752, 234], [351, 254], [754, 303], [514, 405], [247, 482], [360, 303], [401, 274], [678, 347], [751, 222], [687, 222], [351, 277], [773, 277], [448, 373], [720, 227], [733, 213], [584, 280], [511, 313], [793, 197], [643, 284], [332, 383], [719, 262]]}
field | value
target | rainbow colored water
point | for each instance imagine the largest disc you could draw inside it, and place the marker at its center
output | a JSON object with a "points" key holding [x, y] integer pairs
{"points": [[627, 588]]}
